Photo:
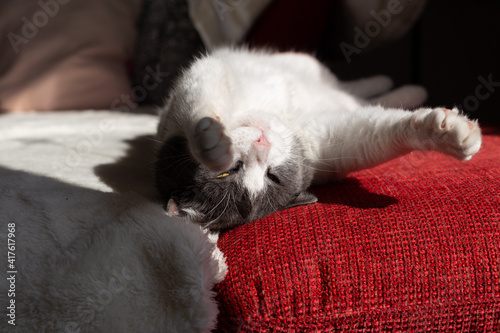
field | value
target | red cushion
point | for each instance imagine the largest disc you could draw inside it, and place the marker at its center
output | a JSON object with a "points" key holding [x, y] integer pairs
{"points": [[412, 245]]}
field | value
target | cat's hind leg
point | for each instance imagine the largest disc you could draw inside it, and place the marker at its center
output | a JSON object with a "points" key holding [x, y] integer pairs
{"points": [[376, 90], [408, 97], [368, 87]]}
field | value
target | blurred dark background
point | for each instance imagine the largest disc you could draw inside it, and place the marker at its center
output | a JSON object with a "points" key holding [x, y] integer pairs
{"points": [[452, 50], [82, 54]]}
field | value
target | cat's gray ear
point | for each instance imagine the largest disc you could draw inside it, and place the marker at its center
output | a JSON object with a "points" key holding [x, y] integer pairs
{"points": [[304, 198], [173, 208]]}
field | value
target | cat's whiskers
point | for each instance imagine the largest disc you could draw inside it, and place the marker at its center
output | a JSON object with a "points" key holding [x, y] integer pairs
{"points": [[300, 160], [324, 161], [298, 123], [215, 207], [186, 155], [275, 209], [323, 170], [309, 166], [149, 138], [181, 162], [223, 211], [235, 205], [151, 161]]}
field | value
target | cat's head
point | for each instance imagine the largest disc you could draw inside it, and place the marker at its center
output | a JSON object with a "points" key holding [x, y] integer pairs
{"points": [[250, 189]]}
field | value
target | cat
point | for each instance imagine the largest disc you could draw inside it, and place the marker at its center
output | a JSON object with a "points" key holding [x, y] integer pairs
{"points": [[245, 133]]}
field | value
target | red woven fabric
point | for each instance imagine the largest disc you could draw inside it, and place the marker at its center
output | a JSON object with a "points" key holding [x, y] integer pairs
{"points": [[410, 246]]}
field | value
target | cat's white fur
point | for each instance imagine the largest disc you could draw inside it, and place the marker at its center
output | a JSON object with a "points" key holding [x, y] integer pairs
{"points": [[343, 127]]}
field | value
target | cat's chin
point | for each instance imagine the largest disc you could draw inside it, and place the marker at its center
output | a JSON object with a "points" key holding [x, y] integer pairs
{"points": [[257, 123]]}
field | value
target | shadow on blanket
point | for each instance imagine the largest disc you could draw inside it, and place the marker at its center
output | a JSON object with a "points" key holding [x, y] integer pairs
{"points": [[134, 172], [90, 261]]}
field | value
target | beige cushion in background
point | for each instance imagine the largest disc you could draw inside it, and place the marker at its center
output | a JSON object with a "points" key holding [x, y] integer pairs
{"points": [[65, 54]]}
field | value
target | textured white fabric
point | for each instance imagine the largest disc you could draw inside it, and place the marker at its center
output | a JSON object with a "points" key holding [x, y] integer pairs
{"points": [[89, 259]]}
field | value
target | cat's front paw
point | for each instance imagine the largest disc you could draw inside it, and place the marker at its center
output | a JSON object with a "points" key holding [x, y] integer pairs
{"points": [[212, 146], [447, 131]]}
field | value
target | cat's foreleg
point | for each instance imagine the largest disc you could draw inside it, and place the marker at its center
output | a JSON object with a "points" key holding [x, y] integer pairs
{"points": [[200, 111], [206, 136], [446, 131], [373, 135], [211, 145]]}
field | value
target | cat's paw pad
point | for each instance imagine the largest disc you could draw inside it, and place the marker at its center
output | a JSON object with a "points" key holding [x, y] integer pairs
{"points": [[212, 146], [448, 131]]}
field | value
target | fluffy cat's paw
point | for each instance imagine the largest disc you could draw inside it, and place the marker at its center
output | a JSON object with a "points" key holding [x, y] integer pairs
{"points": [[447, 131], [212, 146]]}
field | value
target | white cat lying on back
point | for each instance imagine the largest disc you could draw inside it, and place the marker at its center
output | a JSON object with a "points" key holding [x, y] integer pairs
{"points": [[245, 133]]}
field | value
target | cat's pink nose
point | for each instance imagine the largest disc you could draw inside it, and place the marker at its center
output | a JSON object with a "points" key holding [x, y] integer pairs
{"points": [[262, 146]]}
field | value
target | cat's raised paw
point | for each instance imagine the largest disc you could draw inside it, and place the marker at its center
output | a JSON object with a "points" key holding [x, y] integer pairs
{"points": [[447, 131], [212, 146]]}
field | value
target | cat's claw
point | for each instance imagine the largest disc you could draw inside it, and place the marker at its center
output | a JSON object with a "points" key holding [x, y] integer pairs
{"points": [[212, 146], [447, 131]]}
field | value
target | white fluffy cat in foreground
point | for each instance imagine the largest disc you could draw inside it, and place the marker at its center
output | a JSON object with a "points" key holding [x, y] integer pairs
{"points": [[245, 133]]}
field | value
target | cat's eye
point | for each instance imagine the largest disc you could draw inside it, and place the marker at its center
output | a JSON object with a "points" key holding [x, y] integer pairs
{"points": [[236, 168], [273, 177]]}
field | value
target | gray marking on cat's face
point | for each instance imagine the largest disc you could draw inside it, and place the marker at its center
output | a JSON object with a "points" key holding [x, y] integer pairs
{"points": [[195, 192]]}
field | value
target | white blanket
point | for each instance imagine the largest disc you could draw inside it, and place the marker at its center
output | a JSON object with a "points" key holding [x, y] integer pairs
{"points": [[90, 249]]}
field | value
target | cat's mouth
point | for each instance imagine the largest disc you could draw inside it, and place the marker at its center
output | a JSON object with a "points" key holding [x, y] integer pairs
{"points": [[262, 140], [261, 148], [260, 134]]}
